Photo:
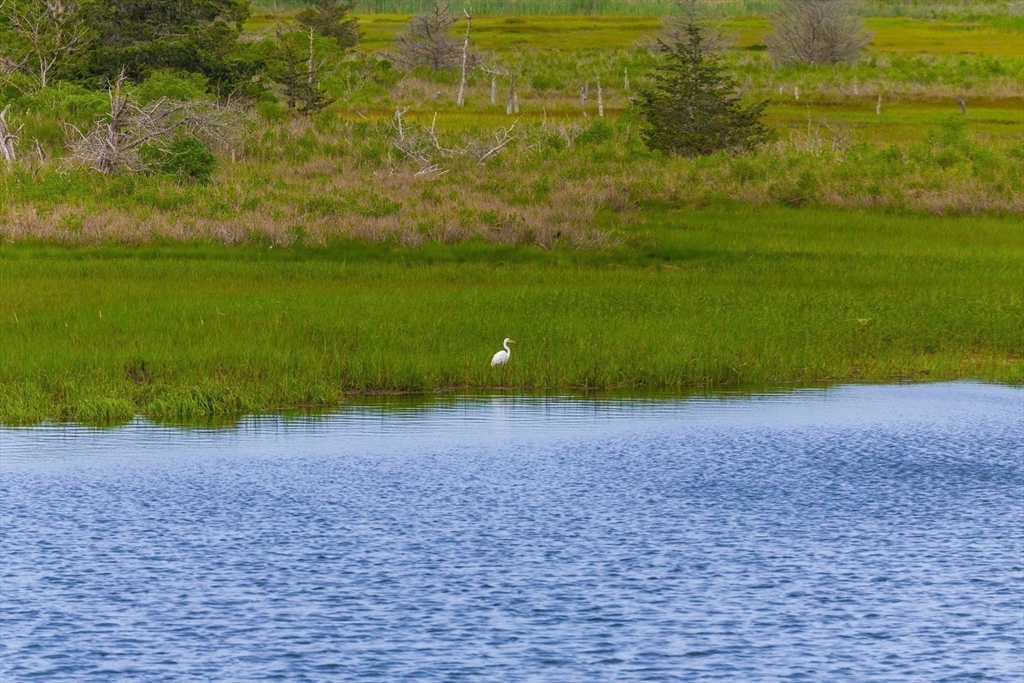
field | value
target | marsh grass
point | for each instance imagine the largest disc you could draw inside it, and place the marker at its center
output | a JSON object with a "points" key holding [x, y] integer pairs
{"points": [[725, 297]]}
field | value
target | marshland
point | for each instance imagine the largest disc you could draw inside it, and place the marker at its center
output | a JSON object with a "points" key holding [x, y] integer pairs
{"points": [[762, 261], [325, 221]]}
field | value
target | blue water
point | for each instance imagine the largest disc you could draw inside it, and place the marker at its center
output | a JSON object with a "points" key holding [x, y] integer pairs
{"points": [[858, 533]]}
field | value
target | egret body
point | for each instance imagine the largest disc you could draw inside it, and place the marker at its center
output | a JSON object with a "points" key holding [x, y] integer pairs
{"points": [[501, 357]]}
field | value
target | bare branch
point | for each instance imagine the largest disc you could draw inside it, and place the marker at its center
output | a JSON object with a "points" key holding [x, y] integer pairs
{"points": [[816, 32], [502, 138], [113, 144], [429, 42]]}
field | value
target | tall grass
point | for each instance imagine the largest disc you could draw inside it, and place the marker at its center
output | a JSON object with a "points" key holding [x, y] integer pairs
{"points": [[717, 298], [579, 182]]}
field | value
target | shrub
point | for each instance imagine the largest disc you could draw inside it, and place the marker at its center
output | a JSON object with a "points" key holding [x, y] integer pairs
{"points": [[598, 131], [816, 32], [428, 41], [176, 86], [185, 158], [692, 108]]}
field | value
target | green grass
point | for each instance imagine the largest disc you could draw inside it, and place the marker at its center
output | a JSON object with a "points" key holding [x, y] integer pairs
{"points": [[719, 297]]}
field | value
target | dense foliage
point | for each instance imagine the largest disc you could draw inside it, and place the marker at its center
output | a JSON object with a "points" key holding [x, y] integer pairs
{"points": [[692, 108], [331, 18], [140, 36]]}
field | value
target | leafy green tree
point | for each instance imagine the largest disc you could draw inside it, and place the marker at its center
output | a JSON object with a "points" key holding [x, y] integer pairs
{"points": [[330, 18], [36, 36], [139, 36], [693, 108]]}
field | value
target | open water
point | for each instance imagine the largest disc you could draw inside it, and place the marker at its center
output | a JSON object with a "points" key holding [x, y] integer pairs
{"points": [[858, 533]]}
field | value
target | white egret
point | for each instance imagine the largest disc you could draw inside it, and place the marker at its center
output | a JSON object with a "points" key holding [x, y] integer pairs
{"points": [[501, 357]]}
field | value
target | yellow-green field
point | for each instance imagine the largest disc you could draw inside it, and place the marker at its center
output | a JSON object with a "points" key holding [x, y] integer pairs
{"points": [[890, 34]]}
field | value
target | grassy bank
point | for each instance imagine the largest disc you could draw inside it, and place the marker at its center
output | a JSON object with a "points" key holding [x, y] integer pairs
{"points": [[722, 297]]}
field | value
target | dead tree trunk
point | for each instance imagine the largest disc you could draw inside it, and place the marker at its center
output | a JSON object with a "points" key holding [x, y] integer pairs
{"points": [[512, 101], [625, 78], [584, 94], [600, 98], [109, 158], [8, 138], [494, 83], [309, 66], [963, 105], [399, 113], [465, 57]]}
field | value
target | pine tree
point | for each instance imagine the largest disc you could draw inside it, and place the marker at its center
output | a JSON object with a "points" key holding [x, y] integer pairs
{"points": [[331, 18], [693, 107]]}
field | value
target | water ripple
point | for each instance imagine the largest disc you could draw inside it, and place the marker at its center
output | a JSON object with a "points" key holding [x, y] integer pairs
{"points": [[860, 533]]}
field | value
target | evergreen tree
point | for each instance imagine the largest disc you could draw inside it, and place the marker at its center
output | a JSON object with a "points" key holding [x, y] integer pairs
{"points": [[298, 73], [693, 108], [330, 18], [139, 36]]}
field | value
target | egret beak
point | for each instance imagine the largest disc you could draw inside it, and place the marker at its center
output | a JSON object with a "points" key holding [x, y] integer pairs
{"points": [[511, 342]]}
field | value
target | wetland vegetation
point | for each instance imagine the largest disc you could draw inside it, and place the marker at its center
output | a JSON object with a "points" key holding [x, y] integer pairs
{"points": [[387, 239]]}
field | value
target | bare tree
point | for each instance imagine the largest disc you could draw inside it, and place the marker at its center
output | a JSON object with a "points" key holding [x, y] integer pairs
{"points": [[493, 72], [114, 144], [41, 33], [429, 42], [465, 58], [816, 32], [512, 101]]}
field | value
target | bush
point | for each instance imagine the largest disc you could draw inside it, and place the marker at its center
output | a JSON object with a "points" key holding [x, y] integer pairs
{"points": [[816, 32], [175, 86], [692, 108], [598, 131], [186, 158]]}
